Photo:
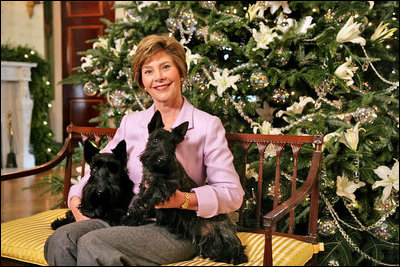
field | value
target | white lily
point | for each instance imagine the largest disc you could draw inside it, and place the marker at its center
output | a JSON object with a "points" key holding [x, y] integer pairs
{"points": [[118, 44], [345, 72], [191, 57], [132, 52], [266, 128], [79, 170], [328, 137], [346, 188], [146, 4], [88, 62], [304, 25], [350, 137], [297, 107], [390, 179], [251, 172], [102, 42], [350, 33], [381, 32], [371, 4], [288, 23], [263, 37], [252, 11], [275, 5], [224, 81]]}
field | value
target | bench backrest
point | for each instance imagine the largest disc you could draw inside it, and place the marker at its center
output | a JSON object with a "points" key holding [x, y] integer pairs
{"points": [[296, 159]]}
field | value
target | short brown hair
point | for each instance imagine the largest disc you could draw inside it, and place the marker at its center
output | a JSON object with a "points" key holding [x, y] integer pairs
{"points": [[153, 44]]}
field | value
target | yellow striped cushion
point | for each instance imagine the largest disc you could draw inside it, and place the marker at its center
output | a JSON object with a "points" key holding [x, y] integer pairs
{"points": [[286, 252], [23, 239]]}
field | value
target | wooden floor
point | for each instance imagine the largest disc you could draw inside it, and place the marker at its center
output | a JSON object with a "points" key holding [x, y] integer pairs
{"points": [[17, 203]]}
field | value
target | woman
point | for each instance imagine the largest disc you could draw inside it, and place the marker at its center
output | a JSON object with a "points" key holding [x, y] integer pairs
{"points": [[159, 67]]}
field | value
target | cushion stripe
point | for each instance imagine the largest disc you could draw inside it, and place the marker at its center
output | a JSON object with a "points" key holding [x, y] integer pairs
{"points": [[23, 239]]}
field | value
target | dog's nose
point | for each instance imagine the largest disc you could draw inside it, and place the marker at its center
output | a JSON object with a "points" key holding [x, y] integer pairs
{"points": [[161, 159], [99, 192]]}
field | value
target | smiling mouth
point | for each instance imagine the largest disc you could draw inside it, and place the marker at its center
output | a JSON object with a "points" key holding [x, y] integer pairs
{"points": [[161, 87]]}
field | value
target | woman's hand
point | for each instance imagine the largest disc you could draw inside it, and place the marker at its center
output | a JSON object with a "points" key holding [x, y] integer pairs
{"points": [[175, 201], [74, 203]]}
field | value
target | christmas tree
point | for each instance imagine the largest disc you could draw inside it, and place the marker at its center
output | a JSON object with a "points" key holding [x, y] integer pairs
{"points": [[277, 67]]}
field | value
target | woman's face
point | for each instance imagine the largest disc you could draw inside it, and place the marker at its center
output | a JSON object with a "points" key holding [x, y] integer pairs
{"points": [[161, 78]]}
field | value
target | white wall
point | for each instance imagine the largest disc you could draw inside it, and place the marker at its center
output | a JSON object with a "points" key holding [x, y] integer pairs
{"points": [[56, 119], [18, 29]]}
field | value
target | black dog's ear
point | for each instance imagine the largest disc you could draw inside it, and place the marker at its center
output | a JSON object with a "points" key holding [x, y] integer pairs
{"points": [[179, 132], [89, 151], [120, 152], [155, 122]]}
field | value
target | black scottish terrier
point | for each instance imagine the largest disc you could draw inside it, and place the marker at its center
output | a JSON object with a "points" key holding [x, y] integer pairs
{"points": [[215, 237], [108, 192]]}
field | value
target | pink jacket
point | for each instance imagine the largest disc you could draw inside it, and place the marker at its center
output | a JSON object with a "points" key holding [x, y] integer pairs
{"points": [[204, 154]]}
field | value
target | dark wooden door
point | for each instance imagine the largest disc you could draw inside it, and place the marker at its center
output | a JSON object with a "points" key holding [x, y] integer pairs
{"points": [[80, 22]]}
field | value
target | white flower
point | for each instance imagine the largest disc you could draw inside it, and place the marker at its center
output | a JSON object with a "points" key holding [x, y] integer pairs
{"points": [[118, 44], [252, 11], [350, 137], [146, 4], [79, 170], [275, 5], [345, 72], [102, 42], [251, 172], [381, 32], [224, 81], [283, 27], [88, 62], [263, 37], [328, 137], [371, 4], [297, 107], [267, 128], [350, 33], [191, 57], [390, 179], [132, 52], [304, 25], [346, 188]]}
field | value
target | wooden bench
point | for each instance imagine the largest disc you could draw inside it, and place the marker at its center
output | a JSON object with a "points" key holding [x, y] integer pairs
{"points": [[277, 162]]}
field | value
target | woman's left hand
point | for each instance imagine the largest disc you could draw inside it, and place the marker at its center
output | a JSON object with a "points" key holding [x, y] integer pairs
{"points": [[175, 201]]}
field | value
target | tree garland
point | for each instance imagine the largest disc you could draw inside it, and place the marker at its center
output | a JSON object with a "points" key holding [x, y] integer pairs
{"points": [[41, 138]]}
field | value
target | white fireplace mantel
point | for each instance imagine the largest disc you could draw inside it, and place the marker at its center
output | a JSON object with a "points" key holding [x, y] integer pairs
{"points": [[16, 98]]}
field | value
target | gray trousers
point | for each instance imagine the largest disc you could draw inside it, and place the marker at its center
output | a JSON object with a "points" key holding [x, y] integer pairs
{"points": [[94, 242]]}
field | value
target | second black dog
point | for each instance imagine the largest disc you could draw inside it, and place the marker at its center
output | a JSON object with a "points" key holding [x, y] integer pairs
{"points": [[108, 192], [215, 237]]}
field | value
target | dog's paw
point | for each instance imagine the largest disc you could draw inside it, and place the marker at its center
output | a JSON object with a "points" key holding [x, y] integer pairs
{"points": [[133, 218], [140, 205]]}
